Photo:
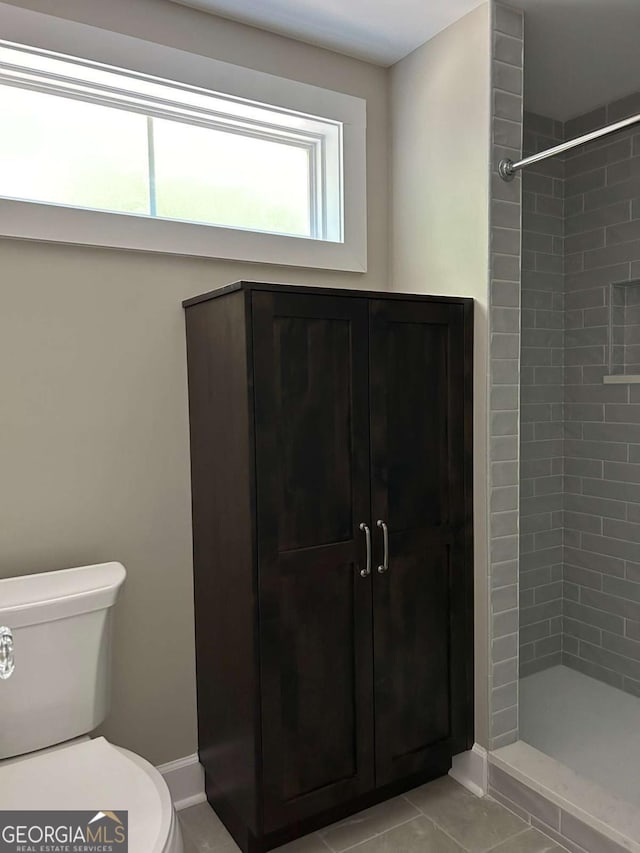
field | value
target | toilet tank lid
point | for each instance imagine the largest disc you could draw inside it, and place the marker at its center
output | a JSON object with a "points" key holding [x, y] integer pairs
{"points": [[31, 599]]}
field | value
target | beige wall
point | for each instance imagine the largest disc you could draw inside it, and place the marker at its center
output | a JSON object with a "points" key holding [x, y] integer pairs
{"points": [[94, 455], [439, 224]]}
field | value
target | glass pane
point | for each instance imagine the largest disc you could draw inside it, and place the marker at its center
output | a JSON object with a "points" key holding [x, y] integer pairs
{"points": [[222, 178], [63, 151]]}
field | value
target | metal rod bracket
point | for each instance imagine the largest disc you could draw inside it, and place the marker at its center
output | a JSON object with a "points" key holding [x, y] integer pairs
{"points": [[506, 170]]}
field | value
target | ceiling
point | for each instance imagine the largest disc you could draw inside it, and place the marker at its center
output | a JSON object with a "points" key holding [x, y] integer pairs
{"points": [[380, 31], [579, 54]]}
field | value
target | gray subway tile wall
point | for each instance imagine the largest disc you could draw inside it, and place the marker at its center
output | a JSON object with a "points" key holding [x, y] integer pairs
{"points": [[580, 438], [504, 320], [542, 411], [600, 511]]}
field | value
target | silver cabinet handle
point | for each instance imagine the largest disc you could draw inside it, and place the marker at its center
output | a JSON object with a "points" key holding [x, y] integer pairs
{"points": [[367, 535], [385, 536]]}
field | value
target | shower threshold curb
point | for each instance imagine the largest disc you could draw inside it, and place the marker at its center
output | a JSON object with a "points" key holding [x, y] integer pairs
{"points": [[560, 803]]}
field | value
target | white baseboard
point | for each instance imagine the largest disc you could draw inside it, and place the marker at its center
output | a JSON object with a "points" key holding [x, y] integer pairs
{"points": [[185, 780], [185, 776], [470, 770]]}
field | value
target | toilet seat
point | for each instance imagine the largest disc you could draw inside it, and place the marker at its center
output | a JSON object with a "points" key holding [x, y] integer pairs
{"points": [[96, 776]]}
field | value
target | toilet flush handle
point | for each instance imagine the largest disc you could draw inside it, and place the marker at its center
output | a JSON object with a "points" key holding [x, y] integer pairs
{"points": [[7, 662]]}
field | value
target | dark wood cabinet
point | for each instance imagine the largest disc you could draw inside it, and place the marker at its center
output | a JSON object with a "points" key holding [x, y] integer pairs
{"points": [[331, 475]]}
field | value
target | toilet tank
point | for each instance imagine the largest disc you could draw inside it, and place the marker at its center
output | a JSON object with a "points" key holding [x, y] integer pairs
{"points": [[55, 669]]}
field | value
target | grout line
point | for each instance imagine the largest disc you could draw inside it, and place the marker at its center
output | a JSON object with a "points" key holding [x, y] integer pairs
{"points": [[322, 841], [376, 834], [443, 830], [484, 850], [511, 837]]}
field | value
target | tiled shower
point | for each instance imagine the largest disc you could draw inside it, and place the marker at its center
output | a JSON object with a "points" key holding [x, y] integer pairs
{"points": [[580, 414]]}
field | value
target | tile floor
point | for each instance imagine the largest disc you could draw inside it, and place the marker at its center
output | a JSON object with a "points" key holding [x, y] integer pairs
{"points": [[440, 817]]}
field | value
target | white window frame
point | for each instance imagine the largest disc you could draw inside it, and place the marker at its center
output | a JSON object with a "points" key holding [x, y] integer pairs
{"points": [[61, 224]]}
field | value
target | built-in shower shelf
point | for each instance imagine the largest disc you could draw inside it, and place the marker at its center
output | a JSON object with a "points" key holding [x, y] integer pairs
{"points": [[624, 333], [621, 379]]}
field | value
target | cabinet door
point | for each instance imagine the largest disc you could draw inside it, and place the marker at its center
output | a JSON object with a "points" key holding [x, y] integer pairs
{"points": [[417, 464], [312, 443]]}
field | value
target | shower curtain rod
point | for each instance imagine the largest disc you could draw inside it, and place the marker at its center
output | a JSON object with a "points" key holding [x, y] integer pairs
{"points": [[507, 168]]}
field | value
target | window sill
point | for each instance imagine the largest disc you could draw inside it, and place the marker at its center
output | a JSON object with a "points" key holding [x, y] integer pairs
{"points": [[51, 223]]}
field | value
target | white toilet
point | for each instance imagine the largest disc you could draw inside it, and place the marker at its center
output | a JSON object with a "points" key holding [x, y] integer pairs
{"points": [[55, 653]]}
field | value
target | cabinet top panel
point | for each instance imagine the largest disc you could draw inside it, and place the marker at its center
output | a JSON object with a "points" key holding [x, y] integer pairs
{"points": [[333, 291]]}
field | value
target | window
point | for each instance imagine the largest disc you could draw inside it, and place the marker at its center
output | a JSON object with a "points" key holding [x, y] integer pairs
{"points": [[81, 135], [93, 153]]}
